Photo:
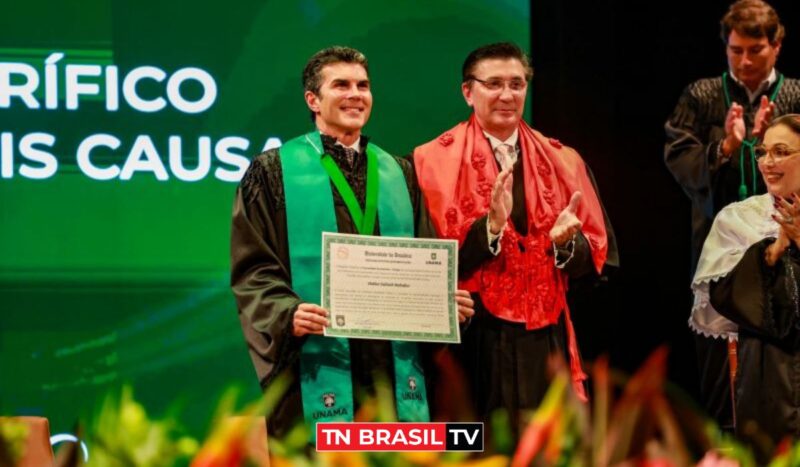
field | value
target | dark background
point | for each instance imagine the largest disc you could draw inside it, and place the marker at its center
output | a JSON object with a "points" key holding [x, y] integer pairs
{"points": [[607, 76]]}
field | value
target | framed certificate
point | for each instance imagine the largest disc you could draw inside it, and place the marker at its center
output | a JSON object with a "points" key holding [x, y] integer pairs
{"points": [[390, 288]]}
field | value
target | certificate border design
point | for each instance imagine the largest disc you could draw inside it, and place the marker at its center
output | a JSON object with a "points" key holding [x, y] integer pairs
{"points": [[453, 337]]}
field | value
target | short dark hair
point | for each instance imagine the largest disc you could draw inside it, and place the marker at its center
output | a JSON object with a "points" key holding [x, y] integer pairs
{"points": [[790, 120], [312, 73], [752, 18], [501, 50]]}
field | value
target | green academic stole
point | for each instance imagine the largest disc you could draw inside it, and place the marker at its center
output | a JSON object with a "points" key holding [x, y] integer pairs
{"points": [[325, 379]]}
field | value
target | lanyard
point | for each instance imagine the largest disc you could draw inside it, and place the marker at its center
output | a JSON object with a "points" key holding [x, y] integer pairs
{"points": [[747, 143], [728, 96], [364, 220]]}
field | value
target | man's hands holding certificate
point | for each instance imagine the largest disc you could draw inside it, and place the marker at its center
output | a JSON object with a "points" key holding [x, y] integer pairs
{"points": [[466, 307], [309, 319], [312, 319]]}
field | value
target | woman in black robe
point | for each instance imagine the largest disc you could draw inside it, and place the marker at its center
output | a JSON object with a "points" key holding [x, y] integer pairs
{"points": [[748, 273]]}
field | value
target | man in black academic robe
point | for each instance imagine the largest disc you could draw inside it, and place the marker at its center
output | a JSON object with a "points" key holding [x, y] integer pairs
{"points": [[275, 320]]}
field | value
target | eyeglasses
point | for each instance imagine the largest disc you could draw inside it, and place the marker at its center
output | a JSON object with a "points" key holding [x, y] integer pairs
{"points": [[779, 152], [497, 84]]}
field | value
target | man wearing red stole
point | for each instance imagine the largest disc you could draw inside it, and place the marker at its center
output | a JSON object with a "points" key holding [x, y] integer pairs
{"points": [[527, 217]]}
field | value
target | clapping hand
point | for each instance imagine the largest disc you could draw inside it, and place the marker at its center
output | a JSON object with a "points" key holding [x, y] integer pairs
{"points": [[789, 220], [567, 224], [502, 201], [766, 110], [734, 129]]}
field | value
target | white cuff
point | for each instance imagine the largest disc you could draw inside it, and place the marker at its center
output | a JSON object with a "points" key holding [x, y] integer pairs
{"points": [[494, 239], [558, 253]]}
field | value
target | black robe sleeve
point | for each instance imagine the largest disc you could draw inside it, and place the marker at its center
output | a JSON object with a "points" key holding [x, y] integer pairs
{"points": [[474, 250], [762, 300], [260, 275], [689, 156], [581, 265]]}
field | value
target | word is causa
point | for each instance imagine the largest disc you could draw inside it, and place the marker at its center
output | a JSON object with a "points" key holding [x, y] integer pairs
{"points": [[103, 157]]}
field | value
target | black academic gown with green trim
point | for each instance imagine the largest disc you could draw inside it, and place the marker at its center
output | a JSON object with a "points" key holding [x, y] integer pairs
{"points": [[261, 278]]}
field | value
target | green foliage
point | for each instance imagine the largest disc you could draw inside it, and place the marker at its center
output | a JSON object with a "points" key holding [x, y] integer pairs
{"points": [[635, 420], [123, 435], [12, 440]]}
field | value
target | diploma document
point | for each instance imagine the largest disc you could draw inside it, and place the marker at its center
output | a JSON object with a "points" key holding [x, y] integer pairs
{"points": [[390, 288]]}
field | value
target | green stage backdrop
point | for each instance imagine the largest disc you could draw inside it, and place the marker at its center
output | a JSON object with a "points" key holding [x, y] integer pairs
{"points": [[124, 128]]}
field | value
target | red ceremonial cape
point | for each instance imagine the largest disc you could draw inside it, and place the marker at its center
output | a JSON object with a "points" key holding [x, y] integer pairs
{"points": [[456, 172]]}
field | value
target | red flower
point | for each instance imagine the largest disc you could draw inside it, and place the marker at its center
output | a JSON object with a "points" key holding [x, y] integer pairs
{"points": [[446, 139], [548, 196], [478, 160], [451, 216], [467, 206], [543, 168], [484, 189]]}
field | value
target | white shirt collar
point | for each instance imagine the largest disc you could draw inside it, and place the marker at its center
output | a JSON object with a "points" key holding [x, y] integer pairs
{"points": [[773, 76], [355, 146], [511, 141]]}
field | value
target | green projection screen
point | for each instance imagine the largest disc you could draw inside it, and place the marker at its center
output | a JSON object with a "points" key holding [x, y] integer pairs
{"points": [[124, 128]]}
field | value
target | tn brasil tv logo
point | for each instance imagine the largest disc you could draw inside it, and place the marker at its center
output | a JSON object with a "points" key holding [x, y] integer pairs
{"points": [[399, 436]]}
